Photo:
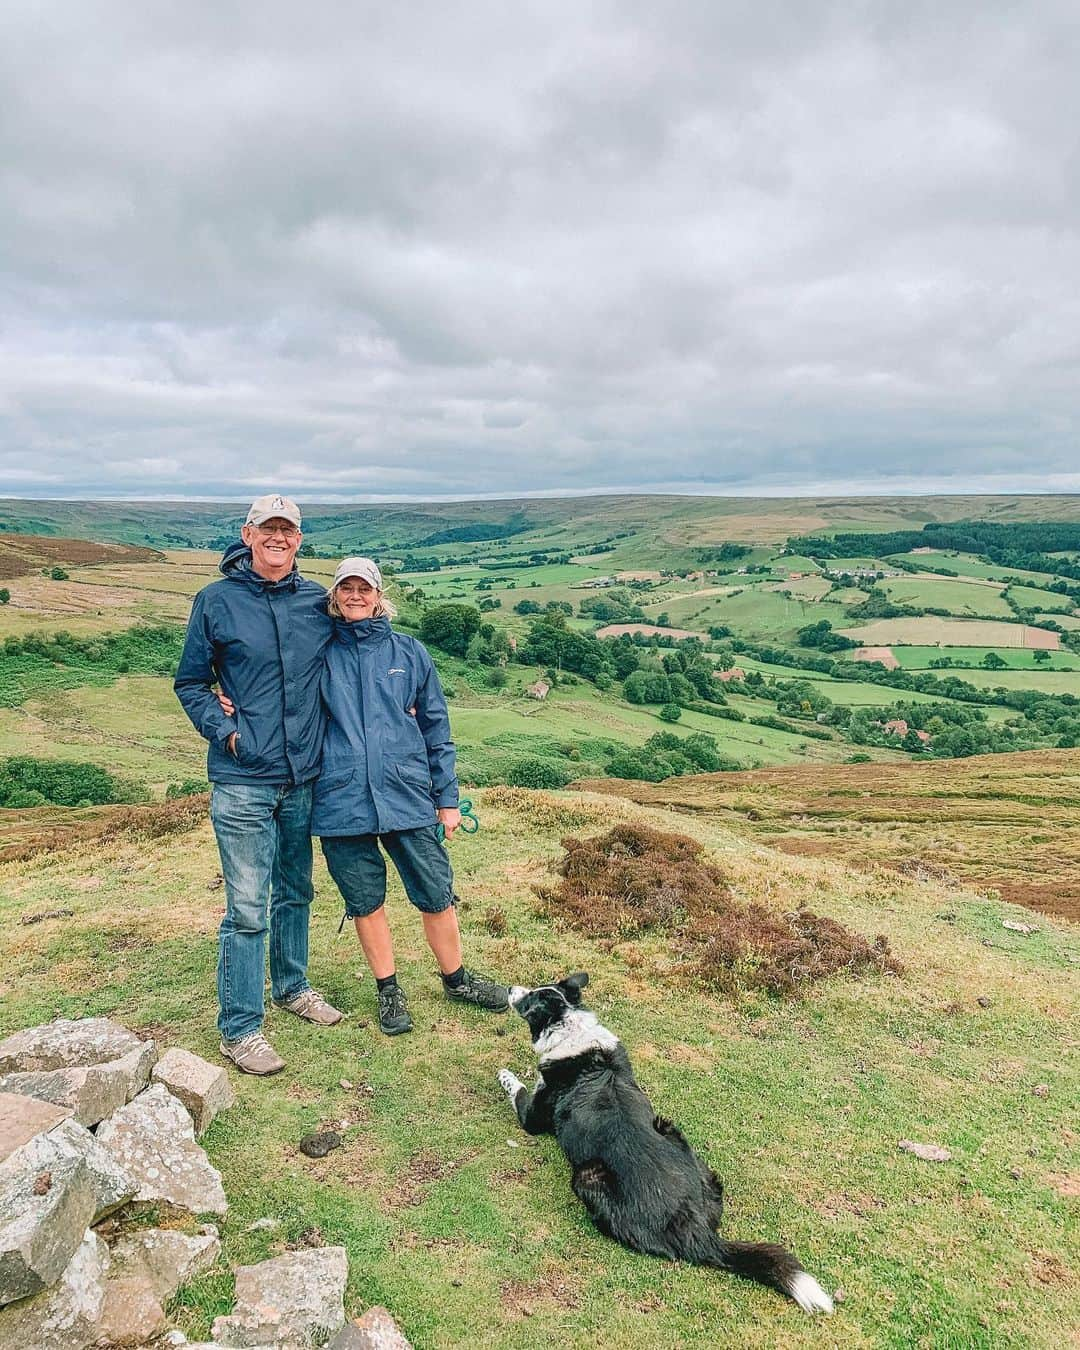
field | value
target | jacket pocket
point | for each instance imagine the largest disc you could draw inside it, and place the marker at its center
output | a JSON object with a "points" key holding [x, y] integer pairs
{"points": [[334, 780], [414, 775]]}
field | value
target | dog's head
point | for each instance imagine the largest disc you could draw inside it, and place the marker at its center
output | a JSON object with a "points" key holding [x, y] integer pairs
{"points": [[547, 1004]]}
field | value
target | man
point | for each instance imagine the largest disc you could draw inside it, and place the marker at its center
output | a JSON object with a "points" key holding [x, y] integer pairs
{"points": [[260, 633]]}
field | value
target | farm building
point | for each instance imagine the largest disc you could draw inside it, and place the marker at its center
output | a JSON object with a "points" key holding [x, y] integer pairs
{"points": [[735, 673], [897, 726], [539, 690]]}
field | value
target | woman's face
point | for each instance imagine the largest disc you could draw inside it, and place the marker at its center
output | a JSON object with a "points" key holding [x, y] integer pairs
{"points": [[356, 598]]}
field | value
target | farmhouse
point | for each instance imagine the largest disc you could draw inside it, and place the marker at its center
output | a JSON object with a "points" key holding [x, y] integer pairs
{"points": [[897, 726], [539, 690], [735, 673]]}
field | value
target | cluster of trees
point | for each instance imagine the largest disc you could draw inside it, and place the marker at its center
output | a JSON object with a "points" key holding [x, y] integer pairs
{"points": [[26, 781], [475, 532], [39, 661], [666, 755], [616, 605], [821, 635]]}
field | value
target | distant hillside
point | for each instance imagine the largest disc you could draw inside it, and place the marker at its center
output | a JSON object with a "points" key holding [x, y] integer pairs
{"points": [[21, 554], [634, 529], [1009, 823]]}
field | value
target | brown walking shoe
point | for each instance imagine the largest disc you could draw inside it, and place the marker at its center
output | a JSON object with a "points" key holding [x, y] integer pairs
{"points": [[312, 1007], [253, 1054]]}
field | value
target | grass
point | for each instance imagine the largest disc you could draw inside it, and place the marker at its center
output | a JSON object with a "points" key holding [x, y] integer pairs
{"points": [[1015, 658], [966, 599], [467, 1229]]}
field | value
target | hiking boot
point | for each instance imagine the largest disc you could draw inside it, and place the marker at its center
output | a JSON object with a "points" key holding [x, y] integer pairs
{"points": [[394, 1011], [253, 1054], [312, 1007], [480, 992]]}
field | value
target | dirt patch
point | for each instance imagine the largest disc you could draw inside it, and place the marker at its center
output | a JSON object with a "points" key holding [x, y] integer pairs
{"points": [[523, 1298], [882, 654], [635, 880], [413, 1182], [1046, 1268], [1066, 1184], [24, 553]]}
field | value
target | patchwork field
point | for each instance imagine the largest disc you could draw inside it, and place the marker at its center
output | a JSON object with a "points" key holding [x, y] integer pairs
{"points": [[974, 599], [951, 633]]}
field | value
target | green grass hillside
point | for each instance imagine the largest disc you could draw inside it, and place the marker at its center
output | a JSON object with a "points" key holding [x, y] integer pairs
{"points": [[467, 1229]]}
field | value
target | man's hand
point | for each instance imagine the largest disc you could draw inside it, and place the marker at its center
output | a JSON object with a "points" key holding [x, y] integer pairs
{"points": [[449, 818], [230, 744], [228, 707]]}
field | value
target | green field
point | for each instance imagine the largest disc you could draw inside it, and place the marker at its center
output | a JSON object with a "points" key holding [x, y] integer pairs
{"points": [[1015, 658], [1049, 681], [1030, 597], [965, 599], [969, 566]]}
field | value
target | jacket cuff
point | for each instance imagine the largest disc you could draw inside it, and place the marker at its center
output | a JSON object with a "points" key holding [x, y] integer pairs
{"points": [[448, 797]]}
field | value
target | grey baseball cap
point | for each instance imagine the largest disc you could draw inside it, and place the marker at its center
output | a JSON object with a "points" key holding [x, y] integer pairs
{"points": [[359, 567], [273, 507]]}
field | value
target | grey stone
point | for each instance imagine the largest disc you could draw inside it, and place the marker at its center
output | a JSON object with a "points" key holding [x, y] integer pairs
{"points": [[70, 1044], [203, 1088], [167, 1259], [65, 1317], [292, 1301], [376, 1330], [112, 1183], [22, 1117], [46, 1204], [131, 1313], [91, 1093], [153, 1139]]}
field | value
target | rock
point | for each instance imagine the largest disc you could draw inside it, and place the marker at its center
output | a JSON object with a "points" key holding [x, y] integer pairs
{"points": [[91, 1093], [22, 1117], [203, 1088], [67, 1044], [294, 1300], [131, 1313], [319, 1144], [376, 1330], [40, 1233], [1013, 927], [261, 1225], [112, 1184], [927, 1152], [983, 1001], [1041, 1090], [164, 1258], [153, 1139], [66, 1316]]}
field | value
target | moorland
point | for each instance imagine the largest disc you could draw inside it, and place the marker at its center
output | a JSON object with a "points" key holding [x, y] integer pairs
{"points": [[874, 719]]}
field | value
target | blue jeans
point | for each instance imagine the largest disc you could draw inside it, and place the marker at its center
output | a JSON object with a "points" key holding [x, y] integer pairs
{"points": [[264, 838]]}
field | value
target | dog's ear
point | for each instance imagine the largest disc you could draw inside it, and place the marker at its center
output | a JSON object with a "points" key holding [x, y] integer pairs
{"points": [[574, 984]]}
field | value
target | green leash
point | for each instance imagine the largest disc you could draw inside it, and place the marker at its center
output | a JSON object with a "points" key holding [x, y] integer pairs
{"points": [[470, 822]]}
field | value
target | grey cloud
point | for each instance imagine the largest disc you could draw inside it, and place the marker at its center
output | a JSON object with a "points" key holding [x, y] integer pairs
{"points": [[490, 249]]}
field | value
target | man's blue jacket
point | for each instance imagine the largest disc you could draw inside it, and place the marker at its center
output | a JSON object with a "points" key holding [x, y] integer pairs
{"points": [[388, 760], [263, 642]]}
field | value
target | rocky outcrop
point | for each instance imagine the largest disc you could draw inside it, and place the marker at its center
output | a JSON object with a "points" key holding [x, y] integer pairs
{"points": [[165, 1258], [376, 1330], [71, 1044], [91, 1092], [67, 1315]]}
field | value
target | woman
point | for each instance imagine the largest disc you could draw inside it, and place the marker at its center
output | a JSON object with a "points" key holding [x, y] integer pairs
{"points": [[388, 779]]}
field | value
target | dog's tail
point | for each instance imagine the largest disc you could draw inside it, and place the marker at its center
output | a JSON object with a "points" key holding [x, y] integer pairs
{"points": [[769, 1264]]}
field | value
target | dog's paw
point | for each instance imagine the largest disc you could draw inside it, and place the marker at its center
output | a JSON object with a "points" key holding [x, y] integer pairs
{"points": [[509, 1083]]}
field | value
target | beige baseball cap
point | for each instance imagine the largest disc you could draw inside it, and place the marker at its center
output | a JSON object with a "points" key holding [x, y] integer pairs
{"points": [[273, 507], [359, 567]]}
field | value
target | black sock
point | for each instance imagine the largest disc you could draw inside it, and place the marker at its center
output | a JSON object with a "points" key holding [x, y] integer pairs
{"points": [[387, 982], [455, 979]]}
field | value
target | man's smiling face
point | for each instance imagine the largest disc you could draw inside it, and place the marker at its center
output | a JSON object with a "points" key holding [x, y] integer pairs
{"points": [[273, 545]]}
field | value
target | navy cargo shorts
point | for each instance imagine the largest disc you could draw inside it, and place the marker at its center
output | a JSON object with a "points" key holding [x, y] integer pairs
{"points": [[358, 867]]}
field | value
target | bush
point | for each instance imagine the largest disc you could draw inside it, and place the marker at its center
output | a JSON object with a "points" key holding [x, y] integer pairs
{"points": [[190, 787], [58, 574], [531, 771], [497, 677], [61, 783], [670, 712], [5, 595]]}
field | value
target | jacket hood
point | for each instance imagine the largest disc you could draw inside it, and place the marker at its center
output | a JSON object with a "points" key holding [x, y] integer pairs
{"points": [[236, 565]]}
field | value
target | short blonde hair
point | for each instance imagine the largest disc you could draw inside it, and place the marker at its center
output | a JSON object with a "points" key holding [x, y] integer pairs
{"points": [[384, 606]]}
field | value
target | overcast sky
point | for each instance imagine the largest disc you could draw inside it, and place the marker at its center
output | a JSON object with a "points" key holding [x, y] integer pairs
{"points": [[487, 249]]}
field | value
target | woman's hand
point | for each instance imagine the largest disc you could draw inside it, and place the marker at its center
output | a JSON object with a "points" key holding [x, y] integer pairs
{"points": [[228, 707], [449, 819]]}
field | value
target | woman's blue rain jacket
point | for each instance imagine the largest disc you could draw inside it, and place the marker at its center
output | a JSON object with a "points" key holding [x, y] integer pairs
{"points": [[388, 760]]}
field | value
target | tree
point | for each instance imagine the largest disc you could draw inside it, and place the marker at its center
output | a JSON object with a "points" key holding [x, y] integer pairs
{"points": [[991, 661], [1040, 655], [670, 712], [450, 627], [5, 595], [527, 607], [58, 574]]}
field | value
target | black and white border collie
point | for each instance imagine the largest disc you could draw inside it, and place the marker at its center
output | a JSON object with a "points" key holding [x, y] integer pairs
{"points": [[641, 1182]]}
